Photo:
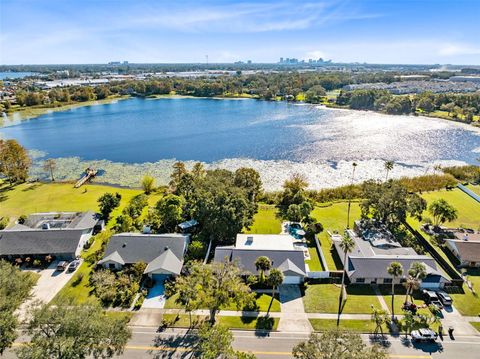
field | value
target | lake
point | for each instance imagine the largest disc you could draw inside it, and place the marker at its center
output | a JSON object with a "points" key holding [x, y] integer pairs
{"points": [[14, 75], [277, 138]]}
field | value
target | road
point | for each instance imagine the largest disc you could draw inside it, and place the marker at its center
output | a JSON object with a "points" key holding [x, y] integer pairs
{"points": [[145, 343], [176, 343]]}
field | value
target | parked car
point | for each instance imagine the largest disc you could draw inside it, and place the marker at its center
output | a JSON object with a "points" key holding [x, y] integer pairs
{"points": [[431, 297], [444, 298], [74, 265], [62, 265], [424, 335]]}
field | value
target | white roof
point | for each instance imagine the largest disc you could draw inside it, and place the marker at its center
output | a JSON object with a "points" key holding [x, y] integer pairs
{"points": [[282, 242]]}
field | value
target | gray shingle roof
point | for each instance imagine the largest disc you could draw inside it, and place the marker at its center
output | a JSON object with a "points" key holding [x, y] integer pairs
{"points": [[137, 247], [246, 258], [165, 262], [39, 242]]}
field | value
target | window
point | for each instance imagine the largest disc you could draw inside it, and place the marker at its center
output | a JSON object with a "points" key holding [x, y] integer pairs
{"points": [[111, 265], [387, 281], [360, 280]]}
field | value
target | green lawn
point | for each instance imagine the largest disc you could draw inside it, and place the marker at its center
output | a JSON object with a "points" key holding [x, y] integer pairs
{"points": [[468, 208], [266, 221], [476, 325], [314, 263], [248, 323], [473, 188], [41, 197], [261, 304], [323, 298], [353, 325], [334, 218], [469, 303], [400, 292]]}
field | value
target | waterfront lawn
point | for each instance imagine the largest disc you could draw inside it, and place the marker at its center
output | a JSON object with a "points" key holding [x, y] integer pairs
{"points": [[29, 198], [262, 301], [351, 325], [323, 298], [334, 218], [266, 221], [468, 208], [245, 323]]}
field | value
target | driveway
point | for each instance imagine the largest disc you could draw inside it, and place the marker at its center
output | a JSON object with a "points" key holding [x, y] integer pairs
{"points": [[48, 285], [155, 298], [293, 317]]}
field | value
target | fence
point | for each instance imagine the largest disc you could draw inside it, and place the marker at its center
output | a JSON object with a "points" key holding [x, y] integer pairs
{"points": [[320, 253], [469, 192], [456, 278], [318, 275]]}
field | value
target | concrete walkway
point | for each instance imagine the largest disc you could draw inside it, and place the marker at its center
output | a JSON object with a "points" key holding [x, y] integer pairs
{"points": [[380, 298], [452, 318], [293, 317]]}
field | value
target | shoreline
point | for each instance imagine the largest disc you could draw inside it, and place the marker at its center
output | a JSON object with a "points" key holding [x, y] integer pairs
{"points": [[35, 112]]}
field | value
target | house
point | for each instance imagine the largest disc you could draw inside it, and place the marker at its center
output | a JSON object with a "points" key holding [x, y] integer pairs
{"points": [[466, 247], [61, 235], [163, 253], [375, 248], [282, 249]]}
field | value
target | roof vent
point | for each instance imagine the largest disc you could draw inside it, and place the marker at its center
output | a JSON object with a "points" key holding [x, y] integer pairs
{"points": [[124, 245], [166, 248], [46, 226], [249, 241], [466, 237]]}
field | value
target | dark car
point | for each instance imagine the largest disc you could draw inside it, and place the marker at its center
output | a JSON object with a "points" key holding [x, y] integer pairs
{"points": [[445, 298], [74, 265], [431, 297]]}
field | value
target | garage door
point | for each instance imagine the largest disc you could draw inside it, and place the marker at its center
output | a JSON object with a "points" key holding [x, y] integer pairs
{"points": [[292, 280]]}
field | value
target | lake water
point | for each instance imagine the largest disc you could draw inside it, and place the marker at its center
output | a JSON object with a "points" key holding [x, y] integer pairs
{"points": [[14, 75], [277, 138]]}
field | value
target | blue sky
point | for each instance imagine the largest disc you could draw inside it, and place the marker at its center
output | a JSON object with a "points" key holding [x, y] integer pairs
{"points": [[374, 31]]}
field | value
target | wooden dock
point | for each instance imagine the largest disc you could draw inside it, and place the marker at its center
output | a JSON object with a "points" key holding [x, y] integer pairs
{"points": [[87, 176]]}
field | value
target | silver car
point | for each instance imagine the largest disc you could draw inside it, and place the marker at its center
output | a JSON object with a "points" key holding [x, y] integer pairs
{"points": [[424, 335]]}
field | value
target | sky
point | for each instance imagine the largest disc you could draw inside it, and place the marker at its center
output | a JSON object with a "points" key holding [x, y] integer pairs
{"points": [[158, 31]]}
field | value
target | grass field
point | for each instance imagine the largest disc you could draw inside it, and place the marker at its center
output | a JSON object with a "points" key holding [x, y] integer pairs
{"points": [[266, 221], [323, 298], [352, 325], [246, 323], [400, 292], [476, 325], [469, 303], [261, 304], [334, 218], [475, 189], [42, 197]]}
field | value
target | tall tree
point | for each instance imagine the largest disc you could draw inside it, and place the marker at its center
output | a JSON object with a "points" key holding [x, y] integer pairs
{"points": [[294, 190], [178, 171], [395, 269], [416, 273], [107, 203], [388, 167], [215, 341], [263, 264], [354, 166], [15, 288], [70, 331], [442, 212], [336, 344], [170, 209], [198, 170], [275, 279], [218, 285], [249, 179], [148, 184], [49, 166], [14, 161], [347, 245]]}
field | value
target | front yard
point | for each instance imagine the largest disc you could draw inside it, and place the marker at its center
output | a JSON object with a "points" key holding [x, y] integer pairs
{"points": [[352, 325], [232, 322], [323, 298]]}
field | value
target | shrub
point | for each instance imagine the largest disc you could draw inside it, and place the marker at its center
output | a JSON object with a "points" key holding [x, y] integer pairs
{"points": [[4, 222], [22, 219], [78, 279], [37, 263], [469, 173]]}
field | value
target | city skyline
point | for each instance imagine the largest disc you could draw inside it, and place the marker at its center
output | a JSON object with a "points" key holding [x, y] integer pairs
{"points": [[372, 31]]}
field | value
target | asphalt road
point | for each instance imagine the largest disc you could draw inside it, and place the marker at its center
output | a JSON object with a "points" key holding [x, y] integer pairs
{"points": [[147, 343]]}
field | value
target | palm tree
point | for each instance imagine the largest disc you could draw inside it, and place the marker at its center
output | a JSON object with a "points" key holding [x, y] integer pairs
{"points": [[395, 269], [416, 273], [275, 279], [388, 167], [263, 264], [354, 165], [347, 244]]}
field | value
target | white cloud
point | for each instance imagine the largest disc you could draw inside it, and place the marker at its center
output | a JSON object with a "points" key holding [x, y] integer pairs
{"points": [[316, 54], [458, 49]]}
